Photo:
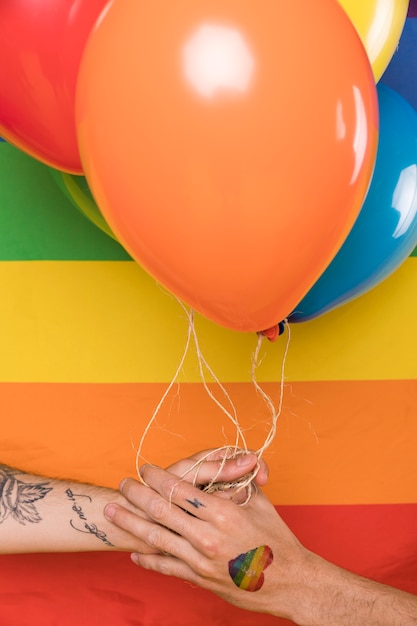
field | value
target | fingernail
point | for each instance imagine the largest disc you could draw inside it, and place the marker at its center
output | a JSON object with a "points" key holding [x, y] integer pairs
{"points": [[109, 511], [123, 483], [244, 459], [143, 468]]}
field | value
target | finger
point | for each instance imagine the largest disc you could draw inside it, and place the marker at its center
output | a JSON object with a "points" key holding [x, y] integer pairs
{"points": [[133, 541], [214, 456], [169, 497], [204, 472], [235, 492], [220, 465], [159, 539], [262, 476], [152, 537], [161, 502]]}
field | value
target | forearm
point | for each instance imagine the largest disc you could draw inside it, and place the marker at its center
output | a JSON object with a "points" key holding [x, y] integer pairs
{"points": [[40, 514], [332, 596]]}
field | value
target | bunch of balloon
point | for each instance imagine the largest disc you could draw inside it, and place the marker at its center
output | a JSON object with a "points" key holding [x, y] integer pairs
{"points": [[41, 45], [244, 138], [385, 232], [379, 24]]}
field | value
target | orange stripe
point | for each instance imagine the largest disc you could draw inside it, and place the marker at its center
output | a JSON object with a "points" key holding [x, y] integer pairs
{"points": [[337, 442]]}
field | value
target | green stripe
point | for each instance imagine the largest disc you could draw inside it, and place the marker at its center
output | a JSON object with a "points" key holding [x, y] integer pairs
{"points": [[38, 222], [244, 566]]}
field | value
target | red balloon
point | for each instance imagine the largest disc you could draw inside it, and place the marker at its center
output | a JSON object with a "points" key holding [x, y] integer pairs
{"points": [[41, 43]]}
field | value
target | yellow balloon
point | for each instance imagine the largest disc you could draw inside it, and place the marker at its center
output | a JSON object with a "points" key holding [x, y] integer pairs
{"points": [[379, 24]]}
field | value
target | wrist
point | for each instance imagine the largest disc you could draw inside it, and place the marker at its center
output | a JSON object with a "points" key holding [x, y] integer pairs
{"points": [[305, 590], [302, 596], [332, 596], [79, 509], [321, 584]]}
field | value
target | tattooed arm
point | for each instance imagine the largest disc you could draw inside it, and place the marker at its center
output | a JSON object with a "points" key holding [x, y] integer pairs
{"points": [[39, 514], [249, 557]]}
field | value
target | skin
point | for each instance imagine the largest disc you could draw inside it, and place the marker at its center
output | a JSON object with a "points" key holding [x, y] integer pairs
{"points": [[198, 544]]}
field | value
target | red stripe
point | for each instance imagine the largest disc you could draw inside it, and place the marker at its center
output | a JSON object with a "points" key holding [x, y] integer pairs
{"points": [[378, 541]]}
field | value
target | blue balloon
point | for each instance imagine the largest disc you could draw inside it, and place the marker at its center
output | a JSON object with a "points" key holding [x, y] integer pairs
{"points": [[401, 72], [385, 232]]}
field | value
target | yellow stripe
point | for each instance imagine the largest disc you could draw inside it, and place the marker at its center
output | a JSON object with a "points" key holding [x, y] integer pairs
{"points": [[109, 322], [254, 567]]}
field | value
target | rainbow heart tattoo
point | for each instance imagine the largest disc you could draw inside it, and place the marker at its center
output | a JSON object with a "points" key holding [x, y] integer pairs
{"points": [[247, 570]]}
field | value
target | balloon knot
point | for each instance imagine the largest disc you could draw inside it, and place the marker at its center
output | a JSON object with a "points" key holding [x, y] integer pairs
{"points": [[274, 332]]}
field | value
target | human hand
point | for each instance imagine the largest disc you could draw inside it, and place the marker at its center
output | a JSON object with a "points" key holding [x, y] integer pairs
{"points": [[248, 556], [200, 469], [208, 541]]}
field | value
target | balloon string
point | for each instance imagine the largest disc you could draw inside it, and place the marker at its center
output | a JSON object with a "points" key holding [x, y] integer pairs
{"points": [[275, 413], [162, 400], [240, 445], [202, 363], [246, 482]]}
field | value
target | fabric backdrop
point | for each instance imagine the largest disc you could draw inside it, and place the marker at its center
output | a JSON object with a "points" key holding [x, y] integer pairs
{"points": [[89, 344]]}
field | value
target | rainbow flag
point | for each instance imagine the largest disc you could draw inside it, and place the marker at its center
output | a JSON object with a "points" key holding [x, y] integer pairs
{"points": [[89, 345]]}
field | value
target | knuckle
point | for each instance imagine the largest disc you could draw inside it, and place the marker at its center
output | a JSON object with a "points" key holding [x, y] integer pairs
{"points": [[206, 570], [171, 487], [154, 537], [157, 508], [165, 567], [210, 546], [221, 520]]}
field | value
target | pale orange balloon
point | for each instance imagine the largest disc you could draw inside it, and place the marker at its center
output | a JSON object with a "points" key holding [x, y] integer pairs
{"points": [[229, 145]]}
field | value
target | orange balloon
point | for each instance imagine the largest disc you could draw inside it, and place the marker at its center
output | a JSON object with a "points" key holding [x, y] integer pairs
{"points": [[229, 145]]}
